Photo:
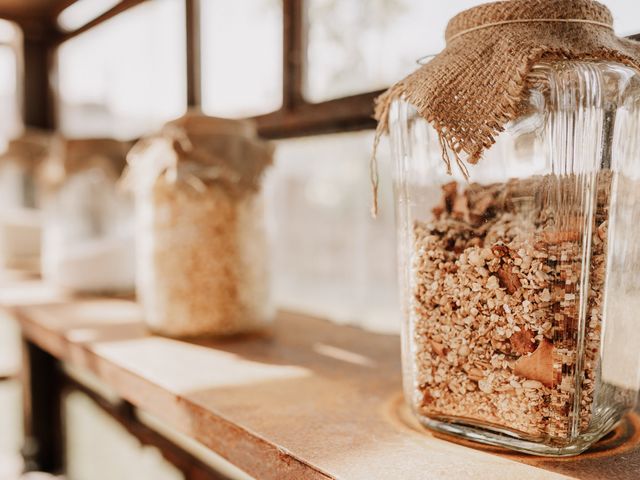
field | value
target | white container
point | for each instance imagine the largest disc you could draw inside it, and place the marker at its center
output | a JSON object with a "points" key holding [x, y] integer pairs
{"points": [[20, 220], [88, 243]]}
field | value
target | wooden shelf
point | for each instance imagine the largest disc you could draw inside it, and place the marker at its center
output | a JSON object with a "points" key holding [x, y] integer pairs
{"points": [[311, 401]]}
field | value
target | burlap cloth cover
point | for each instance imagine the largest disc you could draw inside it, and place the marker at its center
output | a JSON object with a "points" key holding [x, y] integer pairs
{"points": [[198, 150], [70, 156], [28, 150], [478, 83]]}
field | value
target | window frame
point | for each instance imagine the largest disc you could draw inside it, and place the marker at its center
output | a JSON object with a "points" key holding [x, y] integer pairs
{"points": [[296, 117]]}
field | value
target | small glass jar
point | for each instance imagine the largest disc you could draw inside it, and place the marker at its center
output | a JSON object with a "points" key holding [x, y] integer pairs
{"points": [[88, 244], [20, 219], [520, 285], [202, 245]]}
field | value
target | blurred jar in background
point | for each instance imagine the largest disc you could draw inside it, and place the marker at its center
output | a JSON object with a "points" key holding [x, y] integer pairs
{"points": [[88, 243], [20, 221], [202, 246]]}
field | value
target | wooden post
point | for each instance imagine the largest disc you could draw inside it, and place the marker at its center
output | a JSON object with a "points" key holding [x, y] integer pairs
{"points": [[38, 97], [293, 54], [42, 387], [194, 93]]}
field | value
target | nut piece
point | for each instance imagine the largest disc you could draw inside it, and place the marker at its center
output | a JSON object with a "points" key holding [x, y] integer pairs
{"points": [[523, 342], [500, 250], [538, 365], [532, 384], [493, 283], [485, 386]]}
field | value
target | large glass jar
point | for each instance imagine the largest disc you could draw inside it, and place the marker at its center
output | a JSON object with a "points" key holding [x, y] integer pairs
{"points": [[521, 285], [202, 265], [20, 220], [88, 243]]}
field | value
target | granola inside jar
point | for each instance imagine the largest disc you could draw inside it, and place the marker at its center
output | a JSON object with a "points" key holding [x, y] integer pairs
{"points": [[202, 265], [519, 282]]}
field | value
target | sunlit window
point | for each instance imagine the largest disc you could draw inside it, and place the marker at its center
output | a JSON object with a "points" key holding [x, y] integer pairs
{"points": [[352, 49], [10, 80], [126, 76], [330, 257], [241, 57], [9, 33], [80, 13]]}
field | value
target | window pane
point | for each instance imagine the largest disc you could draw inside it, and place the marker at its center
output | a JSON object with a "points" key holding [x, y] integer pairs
{"points": [[10, 82], [625, 15], [241, 57], [8, 32], [330, 257], [126, 76], [10, 118], [352, 49], [79, 14]]}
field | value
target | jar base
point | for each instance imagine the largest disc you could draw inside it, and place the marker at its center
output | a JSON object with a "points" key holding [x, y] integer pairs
{"points": [[510, 440]]}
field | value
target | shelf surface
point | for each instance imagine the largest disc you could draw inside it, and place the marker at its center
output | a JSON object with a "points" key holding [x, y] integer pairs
{"points": [[312, 400]]}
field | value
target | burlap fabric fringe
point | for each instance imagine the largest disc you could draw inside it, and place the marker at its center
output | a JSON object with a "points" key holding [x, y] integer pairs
{"points": [[478, 83], [69, 156], [28, 150], [196, 150]]}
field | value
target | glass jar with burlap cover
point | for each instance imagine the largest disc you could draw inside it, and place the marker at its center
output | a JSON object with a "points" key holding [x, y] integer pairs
{"points": [[517, 182], [202, 244]]}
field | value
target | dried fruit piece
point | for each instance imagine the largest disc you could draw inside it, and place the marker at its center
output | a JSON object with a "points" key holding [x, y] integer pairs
{"points": [[427, 398], [560, 236], [437, 211], [449, 193], [602, 231], [460, 208], [537, 365], [508, 280], [523, 342], [483, 204], [439, 348]]}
